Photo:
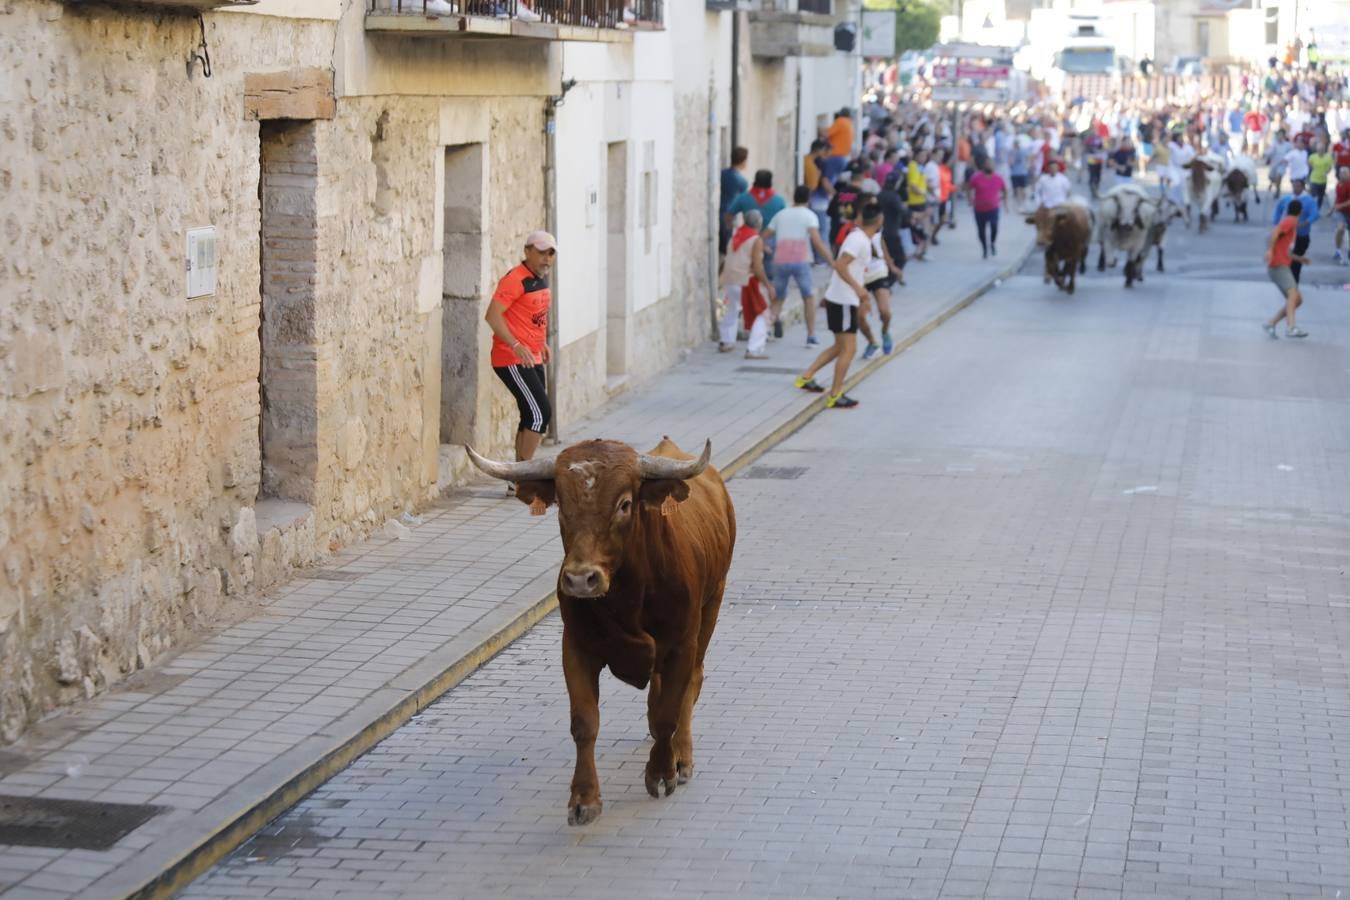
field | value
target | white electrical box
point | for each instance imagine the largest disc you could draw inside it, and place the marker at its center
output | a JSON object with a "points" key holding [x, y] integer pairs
{"points": [[201, 262], [592, 204]]}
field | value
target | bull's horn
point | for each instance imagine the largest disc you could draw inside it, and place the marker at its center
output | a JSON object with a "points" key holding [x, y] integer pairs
{"points": [[529, 470], [662, 467]]}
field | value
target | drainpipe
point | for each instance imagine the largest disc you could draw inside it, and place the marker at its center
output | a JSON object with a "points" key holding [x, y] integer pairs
{"points": [[714, 189], [551, 105], [735, 79]]}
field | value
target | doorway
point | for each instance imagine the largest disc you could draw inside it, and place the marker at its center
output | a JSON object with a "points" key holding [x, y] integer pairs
{"points": [[288, 352], [462, 288]]}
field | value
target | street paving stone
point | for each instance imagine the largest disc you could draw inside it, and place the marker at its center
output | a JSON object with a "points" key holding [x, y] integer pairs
{"points": [[191, 734], [1061, 611]]}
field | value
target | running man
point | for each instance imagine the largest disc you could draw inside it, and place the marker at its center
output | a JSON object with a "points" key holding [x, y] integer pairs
{"points": [[518, 317], [1278, 262], [846, 292], [797, 230]]}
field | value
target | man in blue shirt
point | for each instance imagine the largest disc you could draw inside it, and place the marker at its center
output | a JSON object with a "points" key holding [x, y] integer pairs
{"points": [[733, 185], [1306, 217]]}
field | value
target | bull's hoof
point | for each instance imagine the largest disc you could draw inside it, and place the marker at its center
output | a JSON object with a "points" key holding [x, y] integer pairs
{"points": [[683, 772], [584, 813], [655, 783]]}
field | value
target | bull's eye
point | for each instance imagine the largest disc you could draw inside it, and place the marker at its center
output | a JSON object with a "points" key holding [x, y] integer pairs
{"points": [[625, 506]]}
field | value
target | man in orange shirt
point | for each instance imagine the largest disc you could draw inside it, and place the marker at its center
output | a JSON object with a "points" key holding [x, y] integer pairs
{"points": [[518, 317], [840, 137], [1278, 262]]}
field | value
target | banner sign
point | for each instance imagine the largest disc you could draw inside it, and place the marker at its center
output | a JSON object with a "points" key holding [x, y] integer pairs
{"points": [[943, 93], [969, 71]]}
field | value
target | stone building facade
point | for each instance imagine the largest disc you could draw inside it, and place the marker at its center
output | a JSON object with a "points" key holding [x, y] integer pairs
{"points": [[165, 451]]}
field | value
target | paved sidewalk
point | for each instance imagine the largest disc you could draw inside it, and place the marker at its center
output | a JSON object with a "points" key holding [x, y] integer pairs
{"points": [[232, 731]]}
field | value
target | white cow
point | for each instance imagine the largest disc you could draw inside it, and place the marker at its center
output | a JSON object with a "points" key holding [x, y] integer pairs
{"points": [[1124, 218], [1237, 181], [1203, 181]]}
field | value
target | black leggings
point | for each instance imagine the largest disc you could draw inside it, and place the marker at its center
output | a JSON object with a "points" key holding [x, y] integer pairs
{"points": [[987, 220], [1301, 242], [526, 384]]}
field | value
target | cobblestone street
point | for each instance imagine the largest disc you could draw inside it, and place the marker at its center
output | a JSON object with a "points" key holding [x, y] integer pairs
{"points": [[1061, 610], [1063, 607]]}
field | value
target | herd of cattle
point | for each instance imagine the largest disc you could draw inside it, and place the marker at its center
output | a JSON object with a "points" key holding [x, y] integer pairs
{"points": [[1130, 220]]}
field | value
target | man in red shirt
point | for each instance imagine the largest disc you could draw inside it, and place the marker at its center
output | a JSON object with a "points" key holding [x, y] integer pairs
{"points": [[1278, 261], [1340, 210], [1342, 150], [518, 317], [1254, 123]]}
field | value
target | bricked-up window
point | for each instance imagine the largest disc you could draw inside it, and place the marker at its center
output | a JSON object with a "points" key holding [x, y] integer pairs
{"points": [[616, 258], [647, 211], [462, 290], [288, 353]]}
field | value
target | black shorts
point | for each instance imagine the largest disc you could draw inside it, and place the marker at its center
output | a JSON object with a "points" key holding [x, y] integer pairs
{"points": [[841, 319], [526, 384], [1018, 181]]}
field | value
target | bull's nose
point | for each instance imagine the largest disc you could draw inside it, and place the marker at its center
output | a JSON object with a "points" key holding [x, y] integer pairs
{"points": [[584, 581]]}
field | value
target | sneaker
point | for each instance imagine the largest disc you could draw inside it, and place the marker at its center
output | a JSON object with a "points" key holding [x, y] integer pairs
{"points": [[1336, 257], [812, 341], [1295, 332], [725, 348], [809, 385], [993, 251], [778, 328], [1270, 330], [887, 345], [871, 351], [840, 401], [751, 355]]}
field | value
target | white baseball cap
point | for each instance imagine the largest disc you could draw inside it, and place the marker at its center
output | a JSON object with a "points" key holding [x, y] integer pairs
{"points": [[541, 240]]}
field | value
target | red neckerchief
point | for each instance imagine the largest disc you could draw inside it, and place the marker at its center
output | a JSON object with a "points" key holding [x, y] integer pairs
{"points": [[743, 234], [762, 195]]}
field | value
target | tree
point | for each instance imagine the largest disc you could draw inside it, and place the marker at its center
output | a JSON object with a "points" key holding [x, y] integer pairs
{"points": [[917, 22]]}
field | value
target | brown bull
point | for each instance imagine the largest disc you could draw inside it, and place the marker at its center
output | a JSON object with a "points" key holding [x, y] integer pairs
{"points": [[1070, 238], [1236, 184], [647, 541], [1044, 220]]}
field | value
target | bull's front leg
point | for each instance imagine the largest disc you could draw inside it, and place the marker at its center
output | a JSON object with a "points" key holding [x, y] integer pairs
{"points": [[582, 673], [664, 717]]}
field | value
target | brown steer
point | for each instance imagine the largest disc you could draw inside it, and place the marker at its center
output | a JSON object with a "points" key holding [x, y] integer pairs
{"points": [[1070, 239], [647, 541]]}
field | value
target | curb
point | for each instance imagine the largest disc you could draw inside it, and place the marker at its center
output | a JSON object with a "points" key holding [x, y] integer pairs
{"points": [[281, 784]]}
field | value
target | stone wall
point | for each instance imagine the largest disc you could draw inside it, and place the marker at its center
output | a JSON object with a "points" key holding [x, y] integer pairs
{"points": [[130, 438], [160, 456]]}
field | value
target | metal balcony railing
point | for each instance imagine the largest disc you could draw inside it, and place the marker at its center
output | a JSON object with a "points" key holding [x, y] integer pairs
{"points": [[584, 13]]}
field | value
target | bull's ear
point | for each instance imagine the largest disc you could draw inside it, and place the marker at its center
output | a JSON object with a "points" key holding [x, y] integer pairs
{"points": [[532, 492], [657, 492]]}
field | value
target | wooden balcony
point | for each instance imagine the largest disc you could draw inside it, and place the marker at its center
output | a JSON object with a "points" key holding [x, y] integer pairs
{"points": [[190, 6], [539, 20], [782, 28]]}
